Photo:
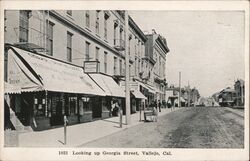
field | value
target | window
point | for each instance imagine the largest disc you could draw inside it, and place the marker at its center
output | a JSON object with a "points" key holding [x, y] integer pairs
{"points": [[105, 61], [129, 43], [97, 53], [135, 46], [97, 22], [139, 66], [24, 26], [87, 45], [135, 66], [105, 28], [115, 28], [115, 65], [72, 104], [121, 33], [69, 12], [69, 46], [87, 19], [120, 65], [49, 41]]}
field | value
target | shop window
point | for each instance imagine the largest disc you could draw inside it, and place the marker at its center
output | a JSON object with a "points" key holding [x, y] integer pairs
{"points": [[73, 105], [39, 106]]}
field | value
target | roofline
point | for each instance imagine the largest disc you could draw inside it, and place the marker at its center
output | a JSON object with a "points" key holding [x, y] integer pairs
{"points": [[137, 29], [163, 45]]}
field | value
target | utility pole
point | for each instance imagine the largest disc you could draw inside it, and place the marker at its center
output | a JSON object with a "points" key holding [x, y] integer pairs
{"points": [[188, 94], [179, 89], [127, 87]]}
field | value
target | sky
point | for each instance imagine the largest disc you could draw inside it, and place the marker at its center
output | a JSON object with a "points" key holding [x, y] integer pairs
{"points": [[207, 47]]}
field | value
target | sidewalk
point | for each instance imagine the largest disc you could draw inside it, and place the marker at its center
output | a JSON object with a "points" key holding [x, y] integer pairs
{"points": [[81, 133]]}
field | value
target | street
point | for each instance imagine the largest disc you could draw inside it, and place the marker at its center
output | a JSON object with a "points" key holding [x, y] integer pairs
{"points": [[189, 127]]}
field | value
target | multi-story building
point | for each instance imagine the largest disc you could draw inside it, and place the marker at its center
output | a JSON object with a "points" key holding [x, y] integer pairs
{"points": [[89, 40], [155, 64]]}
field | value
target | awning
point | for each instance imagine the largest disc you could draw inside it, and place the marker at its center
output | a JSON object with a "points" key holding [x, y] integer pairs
{"points": [[138, 94], [107, 83], [151, 89], [11, 89], [33, 72]]}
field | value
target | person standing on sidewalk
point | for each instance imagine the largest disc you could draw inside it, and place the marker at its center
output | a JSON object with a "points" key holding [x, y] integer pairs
{"points": [[159, 105]]}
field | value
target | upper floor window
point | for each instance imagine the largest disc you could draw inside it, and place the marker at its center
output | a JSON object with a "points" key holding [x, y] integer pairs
{"points": [[115, 33], [24, 26], [120, 64], [97, 22], [69, 12], [49, 40], [105, 62], [87, 58], [115, 65], [135, 67], [106, 26], [87, 19], [97, 53], [69, 46]]}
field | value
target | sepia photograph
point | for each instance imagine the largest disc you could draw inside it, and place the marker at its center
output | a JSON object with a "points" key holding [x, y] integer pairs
{"points": [[136, 79]]}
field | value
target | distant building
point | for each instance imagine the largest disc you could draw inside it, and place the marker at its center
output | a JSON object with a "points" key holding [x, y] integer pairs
{"points": [[155, 63], [239, 87]]}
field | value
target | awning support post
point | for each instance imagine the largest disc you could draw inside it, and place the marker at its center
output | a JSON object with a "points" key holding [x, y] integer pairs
{"points": [[46, 103]]}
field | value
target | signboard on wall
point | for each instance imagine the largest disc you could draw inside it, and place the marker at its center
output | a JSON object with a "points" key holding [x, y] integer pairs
{"points": [[91, 66]]}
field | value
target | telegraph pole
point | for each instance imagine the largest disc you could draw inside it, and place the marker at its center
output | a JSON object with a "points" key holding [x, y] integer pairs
{"points": [[179, 89], [127, 87], [189, 94]]}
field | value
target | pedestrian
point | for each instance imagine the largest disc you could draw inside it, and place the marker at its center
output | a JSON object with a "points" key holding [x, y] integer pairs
{"points": [[159, 105], [169, 104], [154, 114]]}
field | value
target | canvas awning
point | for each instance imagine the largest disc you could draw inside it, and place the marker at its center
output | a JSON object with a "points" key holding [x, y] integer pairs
{"points": [[138, 94], [11, 89], [33, 72], [107, 83], [151, 89]]}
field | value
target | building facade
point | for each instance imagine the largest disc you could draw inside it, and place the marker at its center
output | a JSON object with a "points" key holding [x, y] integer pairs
{"points": [[88, 40], [239, 87], [155, 63]]}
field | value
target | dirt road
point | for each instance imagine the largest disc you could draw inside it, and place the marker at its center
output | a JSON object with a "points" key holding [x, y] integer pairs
{"points": [[192, 127]]}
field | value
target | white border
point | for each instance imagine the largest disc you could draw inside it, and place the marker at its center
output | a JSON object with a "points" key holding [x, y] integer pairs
{"points": [[177, 154]]}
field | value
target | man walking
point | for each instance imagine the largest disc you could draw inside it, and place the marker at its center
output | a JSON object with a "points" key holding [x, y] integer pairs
{"points": [[159, 105]]}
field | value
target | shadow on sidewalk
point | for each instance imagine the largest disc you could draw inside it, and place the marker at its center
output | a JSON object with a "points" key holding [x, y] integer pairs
{"points": [[114, 122]]}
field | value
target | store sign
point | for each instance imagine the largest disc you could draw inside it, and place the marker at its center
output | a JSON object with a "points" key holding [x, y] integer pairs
{"points": [[91, 66], [19, 74]]}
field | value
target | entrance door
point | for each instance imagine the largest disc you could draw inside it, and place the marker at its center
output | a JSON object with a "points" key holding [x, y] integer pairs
{"points": [[56, 111], [97, 109], [26, 109]]}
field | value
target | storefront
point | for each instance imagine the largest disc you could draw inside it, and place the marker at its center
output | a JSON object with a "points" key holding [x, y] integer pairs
{"points": [[138, 95], [50, 89], [113, 93]]}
